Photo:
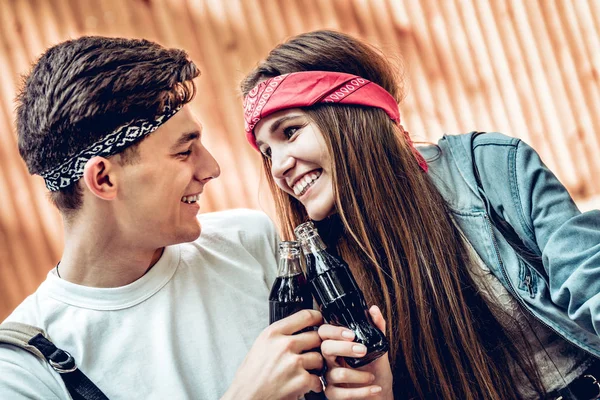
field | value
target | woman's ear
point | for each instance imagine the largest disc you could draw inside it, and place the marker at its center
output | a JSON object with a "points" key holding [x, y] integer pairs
{"points": [[99, 177]]}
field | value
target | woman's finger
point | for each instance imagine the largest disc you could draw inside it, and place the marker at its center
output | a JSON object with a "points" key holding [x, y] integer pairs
{"points": [[339, 393], [337, 376], [337, 348], [327, 331], [377, 318]]}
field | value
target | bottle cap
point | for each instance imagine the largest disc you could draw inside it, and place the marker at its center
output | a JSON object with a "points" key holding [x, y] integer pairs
{"points": [[305, 231], [289, 249]]}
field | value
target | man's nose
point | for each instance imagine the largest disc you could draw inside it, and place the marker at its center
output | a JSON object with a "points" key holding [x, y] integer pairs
{"points": [[207, 167]]}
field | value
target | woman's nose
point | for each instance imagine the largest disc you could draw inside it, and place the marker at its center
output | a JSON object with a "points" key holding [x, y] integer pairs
{"points": [[281, 164]]}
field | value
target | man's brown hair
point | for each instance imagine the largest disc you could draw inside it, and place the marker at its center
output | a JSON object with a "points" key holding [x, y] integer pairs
{"points": [[83, 89]]}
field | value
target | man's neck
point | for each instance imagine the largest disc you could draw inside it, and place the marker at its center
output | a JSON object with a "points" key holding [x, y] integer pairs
{"points": [[98, 258]]}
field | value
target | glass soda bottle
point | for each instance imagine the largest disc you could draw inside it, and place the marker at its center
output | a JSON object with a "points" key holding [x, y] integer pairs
{"points": [[335, 290], [291, 293]]}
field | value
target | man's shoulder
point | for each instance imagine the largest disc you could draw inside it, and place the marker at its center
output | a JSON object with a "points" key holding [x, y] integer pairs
{"points": [[233, 213], [239, 219], [237, 236], [30, 310], [13, 357], [26, 376], [250, 229]]}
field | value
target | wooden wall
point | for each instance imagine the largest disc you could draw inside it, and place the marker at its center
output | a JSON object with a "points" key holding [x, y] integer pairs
{"points": [[527, 68]]}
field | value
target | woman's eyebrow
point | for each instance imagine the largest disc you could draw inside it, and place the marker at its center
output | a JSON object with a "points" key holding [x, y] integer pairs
{"points": [[280, 121], [276, 126]]}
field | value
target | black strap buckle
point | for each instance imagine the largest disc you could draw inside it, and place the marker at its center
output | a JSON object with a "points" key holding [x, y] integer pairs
{"points": [[594, 382], [65, 366]]}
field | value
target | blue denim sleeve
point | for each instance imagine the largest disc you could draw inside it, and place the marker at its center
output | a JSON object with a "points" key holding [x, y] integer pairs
{"points": [[569, 240]]}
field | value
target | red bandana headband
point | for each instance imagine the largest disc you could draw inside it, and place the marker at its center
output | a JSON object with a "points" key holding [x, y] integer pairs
{"points": [[304, 89]]}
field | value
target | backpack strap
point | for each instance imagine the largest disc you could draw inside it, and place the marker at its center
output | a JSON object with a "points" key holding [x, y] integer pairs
{"points": [[509, 233], [36, 341]]}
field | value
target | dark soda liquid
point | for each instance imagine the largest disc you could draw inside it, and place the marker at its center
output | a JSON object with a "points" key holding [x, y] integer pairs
{"points": [[289, 295], [343, 304]]}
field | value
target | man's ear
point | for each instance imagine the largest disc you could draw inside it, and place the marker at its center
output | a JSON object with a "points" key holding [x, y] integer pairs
{"points": [[100, 177]]}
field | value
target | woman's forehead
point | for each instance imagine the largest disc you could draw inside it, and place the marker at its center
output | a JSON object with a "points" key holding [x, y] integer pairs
{"points": [[269, 124]]}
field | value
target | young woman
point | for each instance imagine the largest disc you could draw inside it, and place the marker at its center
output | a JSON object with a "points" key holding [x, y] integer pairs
{"points": [[467, 317]]}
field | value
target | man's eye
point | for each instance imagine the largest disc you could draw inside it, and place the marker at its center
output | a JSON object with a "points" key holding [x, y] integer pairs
{"points": [[185, 153]]}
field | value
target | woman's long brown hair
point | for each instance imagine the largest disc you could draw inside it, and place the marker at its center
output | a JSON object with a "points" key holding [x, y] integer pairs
{"points": [[398, 237]]}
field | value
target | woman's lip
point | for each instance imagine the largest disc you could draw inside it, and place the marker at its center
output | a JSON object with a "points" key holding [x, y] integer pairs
{"points": [[318, 170], [310, 187]]}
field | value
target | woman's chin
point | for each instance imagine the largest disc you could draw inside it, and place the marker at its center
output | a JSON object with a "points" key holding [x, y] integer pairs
{"points": [[319, 214]]}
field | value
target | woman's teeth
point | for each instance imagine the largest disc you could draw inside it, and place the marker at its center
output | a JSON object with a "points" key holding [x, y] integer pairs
{"points": [[190, 199], [307, 181]]}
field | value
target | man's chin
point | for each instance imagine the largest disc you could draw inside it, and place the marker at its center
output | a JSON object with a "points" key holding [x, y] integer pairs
{"points": [[194, 234], [188, 235]]}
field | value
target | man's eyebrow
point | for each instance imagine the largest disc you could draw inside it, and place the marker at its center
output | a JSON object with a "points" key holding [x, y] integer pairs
{"points": [[185, 138]]}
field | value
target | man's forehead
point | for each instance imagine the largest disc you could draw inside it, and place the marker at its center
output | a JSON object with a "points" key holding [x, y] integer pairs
{"points": [[184, 122]]}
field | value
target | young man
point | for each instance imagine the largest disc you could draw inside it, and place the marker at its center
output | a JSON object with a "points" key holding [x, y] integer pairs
{"points": [[149, 307]]}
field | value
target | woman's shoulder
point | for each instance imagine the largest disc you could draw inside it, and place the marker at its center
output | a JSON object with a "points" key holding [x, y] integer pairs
{"points": [[476, 139], [458, 146], [451, 164], [490, 151]]}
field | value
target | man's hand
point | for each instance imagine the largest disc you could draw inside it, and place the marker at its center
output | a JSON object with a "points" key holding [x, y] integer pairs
{"points": [[277, 365]]}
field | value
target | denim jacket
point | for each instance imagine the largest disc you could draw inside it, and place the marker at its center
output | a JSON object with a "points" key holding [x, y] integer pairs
{"points": [[565, 295]]}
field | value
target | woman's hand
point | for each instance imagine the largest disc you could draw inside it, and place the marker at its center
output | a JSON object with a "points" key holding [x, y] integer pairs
{"points": [[372, 381]]}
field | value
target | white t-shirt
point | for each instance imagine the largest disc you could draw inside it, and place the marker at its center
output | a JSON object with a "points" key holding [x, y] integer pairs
{"points": [[179, 332]]}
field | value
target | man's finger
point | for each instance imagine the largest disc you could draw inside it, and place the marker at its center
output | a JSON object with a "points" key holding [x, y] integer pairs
{"points": [[297, 321], [308, 383], [312, 361], [305, 341]]}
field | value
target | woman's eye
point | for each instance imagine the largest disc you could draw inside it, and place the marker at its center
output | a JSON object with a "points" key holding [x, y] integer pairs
{"points": [[290, 131], [266, 152]]}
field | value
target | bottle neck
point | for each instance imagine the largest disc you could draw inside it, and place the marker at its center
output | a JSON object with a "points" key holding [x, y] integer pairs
{"points": [[289, 265], [313, 244]]}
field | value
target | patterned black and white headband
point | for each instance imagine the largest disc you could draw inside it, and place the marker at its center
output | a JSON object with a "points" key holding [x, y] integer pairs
{"points": [[71, 170]]}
